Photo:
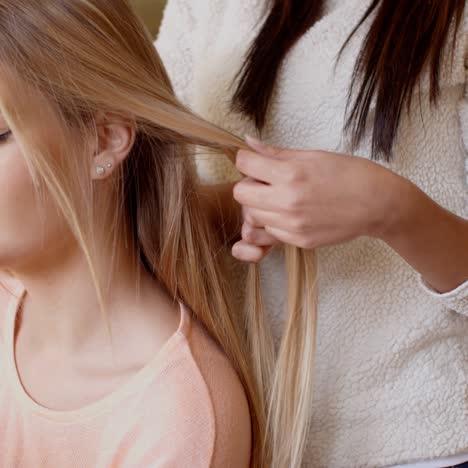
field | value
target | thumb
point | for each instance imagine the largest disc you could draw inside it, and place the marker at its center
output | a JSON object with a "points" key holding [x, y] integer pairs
{"points": [[260, 147]]}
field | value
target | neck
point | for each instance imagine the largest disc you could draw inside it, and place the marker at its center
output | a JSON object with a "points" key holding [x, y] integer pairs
{"points": [[62, 308]]}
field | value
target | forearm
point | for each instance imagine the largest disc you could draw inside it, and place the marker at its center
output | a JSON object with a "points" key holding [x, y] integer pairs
{"points": [[431, 239], [223, 211]]}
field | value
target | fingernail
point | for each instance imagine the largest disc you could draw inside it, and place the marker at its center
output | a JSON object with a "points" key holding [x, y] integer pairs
{"points": [[235, 250]]}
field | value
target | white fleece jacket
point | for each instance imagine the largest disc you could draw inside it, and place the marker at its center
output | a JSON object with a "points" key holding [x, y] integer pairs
{"points": [[391, 374]]}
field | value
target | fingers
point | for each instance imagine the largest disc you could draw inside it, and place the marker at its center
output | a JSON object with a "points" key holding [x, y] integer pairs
{"points": [[255, 245], [284, 167], [249, 192], [249, 253], [274, 152], [290, 238], [257, 236], [260, 218], [260, 167]]}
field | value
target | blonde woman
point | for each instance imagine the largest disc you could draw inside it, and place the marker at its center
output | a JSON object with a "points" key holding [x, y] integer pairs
{"points": [[119, 345], [385, 80]]}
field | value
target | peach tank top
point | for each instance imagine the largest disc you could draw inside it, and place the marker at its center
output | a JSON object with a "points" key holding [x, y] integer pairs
{"points": [[185, 409]]}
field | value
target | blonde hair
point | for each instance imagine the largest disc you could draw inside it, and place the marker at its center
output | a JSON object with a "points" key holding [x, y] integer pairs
{"points": [[71, 59]]}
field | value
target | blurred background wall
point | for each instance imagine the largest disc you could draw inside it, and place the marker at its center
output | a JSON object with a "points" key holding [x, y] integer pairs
{"points": [[150, 11]]}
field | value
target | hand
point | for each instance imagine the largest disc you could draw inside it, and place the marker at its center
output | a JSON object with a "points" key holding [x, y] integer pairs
{"points": [[255, 244], [310, 199]]}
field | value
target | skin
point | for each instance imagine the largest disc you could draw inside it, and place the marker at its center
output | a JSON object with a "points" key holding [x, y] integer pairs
{"points": [[64, 353], [313, 199]]}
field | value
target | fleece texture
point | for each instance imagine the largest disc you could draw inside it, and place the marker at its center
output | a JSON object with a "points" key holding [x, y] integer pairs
{"points": [[391, 370]]}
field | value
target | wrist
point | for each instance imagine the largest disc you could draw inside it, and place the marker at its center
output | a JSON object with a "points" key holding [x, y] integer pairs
{"points": [[398, 203]]}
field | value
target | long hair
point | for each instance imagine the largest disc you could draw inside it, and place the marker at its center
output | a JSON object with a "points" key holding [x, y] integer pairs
{"points": [[406, 38], [63, 63]]}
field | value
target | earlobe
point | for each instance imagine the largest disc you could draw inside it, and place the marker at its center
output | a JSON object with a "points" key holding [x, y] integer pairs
{"points": [[101, 171]]}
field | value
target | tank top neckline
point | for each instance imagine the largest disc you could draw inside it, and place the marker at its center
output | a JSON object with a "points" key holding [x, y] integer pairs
{"points": [[135, 383]]}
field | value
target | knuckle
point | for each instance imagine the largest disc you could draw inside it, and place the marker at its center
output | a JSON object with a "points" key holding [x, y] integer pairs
{"points": [[293, 174], [290, 175], [248, 233], [293, 200], [307, 244], [270, 240], [308, 241], [298, 224], [238, 190], [248, 217]]}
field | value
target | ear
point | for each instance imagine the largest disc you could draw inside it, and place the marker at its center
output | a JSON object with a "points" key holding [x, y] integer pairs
{"points": [[115, 140]]}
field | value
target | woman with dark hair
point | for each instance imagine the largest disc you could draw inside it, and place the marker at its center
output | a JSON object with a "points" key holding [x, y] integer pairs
{"points": [[384, 80]]}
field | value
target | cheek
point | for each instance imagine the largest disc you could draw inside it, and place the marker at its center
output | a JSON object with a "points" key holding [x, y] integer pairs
{"points": [[29, 224]]}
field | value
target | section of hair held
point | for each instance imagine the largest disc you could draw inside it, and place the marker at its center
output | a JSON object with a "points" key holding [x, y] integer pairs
{"points": [[292, 387], [286, 379]]}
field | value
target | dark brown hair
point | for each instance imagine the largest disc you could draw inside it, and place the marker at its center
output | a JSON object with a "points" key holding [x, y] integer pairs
{"points": [[404, 38]]}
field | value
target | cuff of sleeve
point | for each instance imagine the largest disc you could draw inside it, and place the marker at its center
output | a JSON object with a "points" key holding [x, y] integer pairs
{"points": [[456, 300]]}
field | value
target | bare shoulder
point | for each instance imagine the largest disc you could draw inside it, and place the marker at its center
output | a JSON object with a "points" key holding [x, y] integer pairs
{"points": [[231, 416], [195, 410]]}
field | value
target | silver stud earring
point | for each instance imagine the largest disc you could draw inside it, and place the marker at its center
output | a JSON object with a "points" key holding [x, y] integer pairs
{"points": [[100, 171], [109, 165]]}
